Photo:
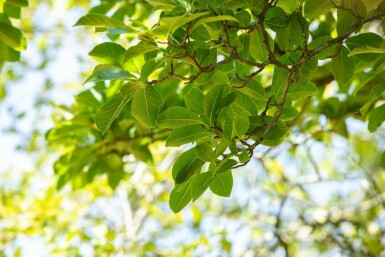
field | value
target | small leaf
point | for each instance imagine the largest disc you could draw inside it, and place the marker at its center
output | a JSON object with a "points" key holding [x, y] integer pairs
{"points": [[184, 135], [200, 183], [185, 166], [194, 100], [176, 117], [376, 118], [110, 111], [180, 198], [204, 152], [108, 53], [222, 184], [146, 105], [108, 74]]}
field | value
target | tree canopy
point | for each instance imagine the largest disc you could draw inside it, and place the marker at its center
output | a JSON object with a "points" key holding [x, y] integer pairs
{"points": [[216, 89]]}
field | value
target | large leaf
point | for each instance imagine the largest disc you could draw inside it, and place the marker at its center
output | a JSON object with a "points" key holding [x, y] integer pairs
{"points": [[343, 66], [194, 100], [315, 8], [212, 102], [204, 152], [139, 49], [108, 53], [185, 166], [176, 117], [200, 183], [99, 20], [184, 135], [376, 117], [146, 105], [180, 198], [222, 184], [108, 74], [12, 37], [214, 18], [110, 111]]}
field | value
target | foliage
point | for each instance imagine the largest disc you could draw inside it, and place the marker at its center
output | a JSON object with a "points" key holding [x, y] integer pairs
{"points": [[12, 39], [221, 77], [274, 87]]}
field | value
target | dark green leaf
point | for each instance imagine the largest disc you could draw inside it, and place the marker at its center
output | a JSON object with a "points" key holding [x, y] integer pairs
{"points": [[212, 102], [185, 166]]}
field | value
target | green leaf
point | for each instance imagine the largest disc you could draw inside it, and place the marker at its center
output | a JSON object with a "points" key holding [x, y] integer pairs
{"points": [[180, 198], [194, 100], [345, 20], [244, 156], [184, 135], [343, 66], [367, 49], [220, 78], [376, 118], [108, 53], [139, 49], [279, 81], [366, 46], [204, 152], [257, 47], [185, 166], [170, 24], [12, 37], [108, 74], [225, 165], [200, 183], [176, 117], [291, 37], [212, 102], [288, 113], [99, 20], [213, 19], [315, 8], [21, 3], [12, 10], [241, 124], [110, 111], [146, 105], [298, 91], [288, 6], [166, 5], [222, 184], [254, 90]]}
